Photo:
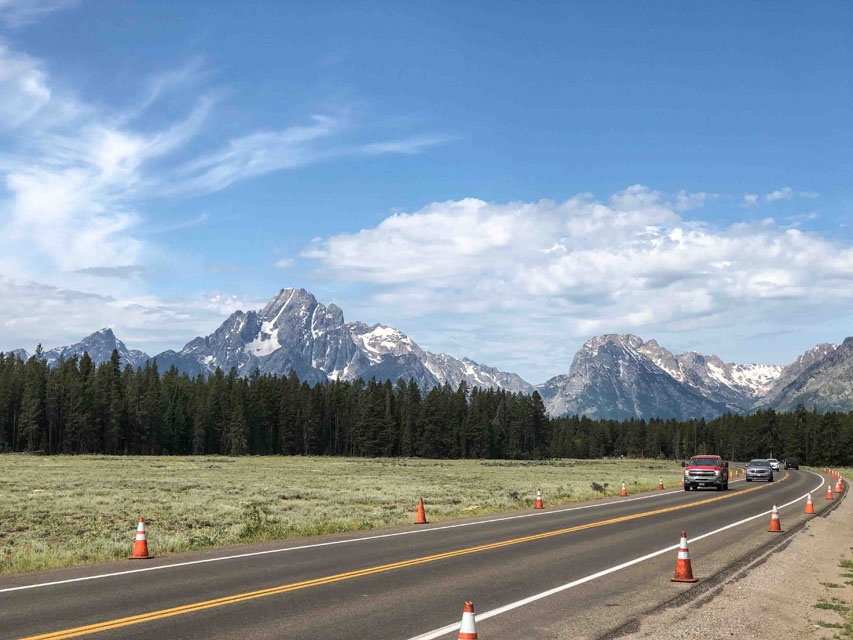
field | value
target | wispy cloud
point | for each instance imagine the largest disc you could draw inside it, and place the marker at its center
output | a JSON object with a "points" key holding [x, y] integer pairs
{"points": [[18, 13], [406, 146], [77, 177], [75, 173], [258, 154], [785, 193], [284, 263], [127, 271]]}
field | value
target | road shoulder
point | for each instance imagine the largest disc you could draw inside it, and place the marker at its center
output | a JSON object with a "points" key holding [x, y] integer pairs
{"points": [[775, 594]]}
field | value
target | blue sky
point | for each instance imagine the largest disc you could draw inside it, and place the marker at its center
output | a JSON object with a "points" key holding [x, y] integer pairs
{"points": [[498, 180]]}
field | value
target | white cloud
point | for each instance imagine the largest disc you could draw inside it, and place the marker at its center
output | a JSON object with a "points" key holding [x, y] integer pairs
{"points": [[18, 13], [30, 313], [563, 271], [785, 193], [408, 146], [76, 178], [284, 263]]}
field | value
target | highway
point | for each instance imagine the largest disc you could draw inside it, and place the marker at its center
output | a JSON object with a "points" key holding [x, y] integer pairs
{"points": [[576, 571]]}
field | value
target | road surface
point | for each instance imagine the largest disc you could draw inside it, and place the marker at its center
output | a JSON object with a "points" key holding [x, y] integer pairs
{"points": [[603, 563]]}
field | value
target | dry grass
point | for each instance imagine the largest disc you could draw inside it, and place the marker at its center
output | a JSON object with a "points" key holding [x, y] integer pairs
{"points": [[61, 511]]}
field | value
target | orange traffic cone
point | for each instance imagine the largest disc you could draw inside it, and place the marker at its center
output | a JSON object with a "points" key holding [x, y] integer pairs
{"points": [[624, 491], [421, 519], [809, 504], [775, 525], [683, 569], [682, 482], [140, 547], [468, 628], [538, 499], [829, 492], [660, 483]]}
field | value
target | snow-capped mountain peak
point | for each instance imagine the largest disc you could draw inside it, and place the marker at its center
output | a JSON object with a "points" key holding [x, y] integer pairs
{"points": [[378, 340], [293, 331]]}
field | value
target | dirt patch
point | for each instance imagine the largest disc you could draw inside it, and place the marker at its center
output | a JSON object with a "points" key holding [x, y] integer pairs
{"points": [[795, 591]]}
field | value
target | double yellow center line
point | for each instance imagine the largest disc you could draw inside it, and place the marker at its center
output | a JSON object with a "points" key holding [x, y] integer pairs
{"points": [[263, 593]]}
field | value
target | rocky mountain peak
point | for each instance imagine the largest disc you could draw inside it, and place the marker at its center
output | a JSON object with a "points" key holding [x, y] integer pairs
{"points": [[100, 346], [617, 339], [295, 331]]}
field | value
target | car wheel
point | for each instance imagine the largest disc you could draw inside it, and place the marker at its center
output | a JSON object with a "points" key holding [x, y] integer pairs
{"points": [[726, 487], [687, 487], [748, 480]]}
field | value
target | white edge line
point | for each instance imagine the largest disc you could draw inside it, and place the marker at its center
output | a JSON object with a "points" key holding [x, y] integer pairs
{"points": [[437, 633], [336, 542]]}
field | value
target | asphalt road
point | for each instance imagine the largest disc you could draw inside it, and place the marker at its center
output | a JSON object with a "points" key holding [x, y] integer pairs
{"points": [[411, 581]]}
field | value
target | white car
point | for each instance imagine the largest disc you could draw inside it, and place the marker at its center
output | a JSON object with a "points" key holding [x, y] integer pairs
{"points": [[774, 463]]}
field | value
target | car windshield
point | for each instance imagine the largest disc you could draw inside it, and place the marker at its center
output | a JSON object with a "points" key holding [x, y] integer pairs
{"points": [[759, 463], [704, 462], [772, 460]]}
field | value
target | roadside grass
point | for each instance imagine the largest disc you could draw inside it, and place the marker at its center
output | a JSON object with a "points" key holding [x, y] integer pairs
{"points": [[838, 605], [58, 511]]}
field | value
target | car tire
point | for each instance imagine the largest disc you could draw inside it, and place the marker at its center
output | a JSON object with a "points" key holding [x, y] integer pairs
{"points": [[687, 487], [726, 487], [748, 480]]}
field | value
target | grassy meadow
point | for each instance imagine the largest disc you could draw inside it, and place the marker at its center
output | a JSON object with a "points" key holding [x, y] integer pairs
{"points": [[66, 510]]}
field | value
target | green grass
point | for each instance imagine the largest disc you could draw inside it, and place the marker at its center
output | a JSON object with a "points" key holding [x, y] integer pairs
{"points": [[828, 625], [67, 510], [838, 605]]}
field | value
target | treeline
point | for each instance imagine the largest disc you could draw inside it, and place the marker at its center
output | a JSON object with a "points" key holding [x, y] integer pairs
{"points": [[78, 407]]}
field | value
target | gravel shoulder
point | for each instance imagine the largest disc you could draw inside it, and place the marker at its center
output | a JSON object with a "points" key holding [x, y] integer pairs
{"points": [[774, 596]]}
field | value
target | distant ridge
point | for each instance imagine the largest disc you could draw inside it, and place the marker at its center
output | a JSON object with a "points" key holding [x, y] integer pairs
{"points": [[614, 376]]}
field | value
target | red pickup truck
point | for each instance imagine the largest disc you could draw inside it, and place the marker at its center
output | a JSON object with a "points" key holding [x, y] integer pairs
{"points": [[706, 471]]}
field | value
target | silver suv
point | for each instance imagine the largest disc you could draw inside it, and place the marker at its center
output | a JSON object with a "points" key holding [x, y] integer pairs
{"points": [[759, 470]]}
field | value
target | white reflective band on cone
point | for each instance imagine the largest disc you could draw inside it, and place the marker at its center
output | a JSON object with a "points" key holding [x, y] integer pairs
{"points": [[468, 624]]}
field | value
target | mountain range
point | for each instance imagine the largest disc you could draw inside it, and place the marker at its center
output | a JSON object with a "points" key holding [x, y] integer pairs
{"points": [[614, 376]]}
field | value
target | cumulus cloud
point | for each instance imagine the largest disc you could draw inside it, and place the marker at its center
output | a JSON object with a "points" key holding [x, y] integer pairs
{"points": [[568, 270]]}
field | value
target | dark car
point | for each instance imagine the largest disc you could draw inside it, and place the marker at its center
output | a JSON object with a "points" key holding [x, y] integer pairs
{"points": [[759, 470], [792, 463]]}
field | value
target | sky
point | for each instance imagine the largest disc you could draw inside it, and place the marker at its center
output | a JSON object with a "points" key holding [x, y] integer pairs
{"points": [[498, 180]]}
